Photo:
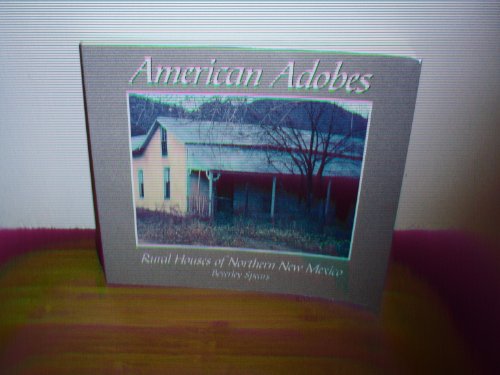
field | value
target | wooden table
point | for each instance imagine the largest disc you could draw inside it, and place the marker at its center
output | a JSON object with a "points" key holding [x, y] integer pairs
{"points": [[57, 316]]}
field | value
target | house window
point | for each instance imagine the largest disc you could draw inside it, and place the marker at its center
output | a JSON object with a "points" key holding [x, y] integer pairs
{"points": [[164, 150], [141, 183], [166, 183]]}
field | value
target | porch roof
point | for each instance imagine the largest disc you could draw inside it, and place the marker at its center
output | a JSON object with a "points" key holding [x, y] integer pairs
{"points": [[253, 160]]}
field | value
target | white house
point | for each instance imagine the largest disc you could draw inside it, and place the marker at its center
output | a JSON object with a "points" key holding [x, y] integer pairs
{"points": [[179, 165]]}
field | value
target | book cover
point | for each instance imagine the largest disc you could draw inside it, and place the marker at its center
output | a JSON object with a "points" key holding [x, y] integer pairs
{"points": [[268, 170]]}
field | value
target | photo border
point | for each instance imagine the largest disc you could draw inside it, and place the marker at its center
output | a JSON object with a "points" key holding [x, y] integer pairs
{"points": [[249, 250]]}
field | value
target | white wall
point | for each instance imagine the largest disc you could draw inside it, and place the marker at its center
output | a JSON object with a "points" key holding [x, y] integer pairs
{"points": [[452, 175]]}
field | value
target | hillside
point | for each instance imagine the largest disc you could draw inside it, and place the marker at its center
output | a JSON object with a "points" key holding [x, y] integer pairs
{"points": [[293, 113]]}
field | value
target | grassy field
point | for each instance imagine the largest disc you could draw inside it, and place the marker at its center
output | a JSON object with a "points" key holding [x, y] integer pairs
{"points": [[162, 228]]}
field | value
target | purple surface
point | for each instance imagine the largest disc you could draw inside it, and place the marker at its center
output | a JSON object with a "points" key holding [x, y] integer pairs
{"points": [[462, 269]]}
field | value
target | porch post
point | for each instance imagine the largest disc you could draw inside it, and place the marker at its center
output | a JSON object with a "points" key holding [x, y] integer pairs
{"points": [[211, 179], [246, 198], [210, 194], [327, 203], [273, 196]]}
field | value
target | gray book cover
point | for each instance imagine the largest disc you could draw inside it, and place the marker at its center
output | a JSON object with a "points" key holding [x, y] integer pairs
{"points": [[268, 170]]}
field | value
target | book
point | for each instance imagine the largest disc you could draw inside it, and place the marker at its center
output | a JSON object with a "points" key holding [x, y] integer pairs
{"points": [[251, 169]]}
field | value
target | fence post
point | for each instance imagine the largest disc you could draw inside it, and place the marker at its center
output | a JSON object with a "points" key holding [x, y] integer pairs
{"points": [[327, 203], [273, 197]]}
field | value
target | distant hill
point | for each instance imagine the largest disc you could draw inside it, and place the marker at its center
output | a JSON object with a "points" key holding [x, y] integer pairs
{"points": [[301, 111], [145, 110]]}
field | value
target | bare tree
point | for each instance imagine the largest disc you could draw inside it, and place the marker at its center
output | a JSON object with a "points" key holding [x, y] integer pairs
{"points": [[303, 140]]}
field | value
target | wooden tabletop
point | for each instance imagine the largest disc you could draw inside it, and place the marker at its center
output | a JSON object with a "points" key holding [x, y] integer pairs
{"points": [[57, 316]]}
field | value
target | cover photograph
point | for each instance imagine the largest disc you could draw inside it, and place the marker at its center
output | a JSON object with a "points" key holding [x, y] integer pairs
{"points": [[268, 170]]}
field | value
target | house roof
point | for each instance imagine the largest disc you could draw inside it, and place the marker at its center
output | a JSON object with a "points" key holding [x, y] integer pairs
{"points": [[138, 141], [235, 134], [241, 148], [211, 132], [201, 132]]}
